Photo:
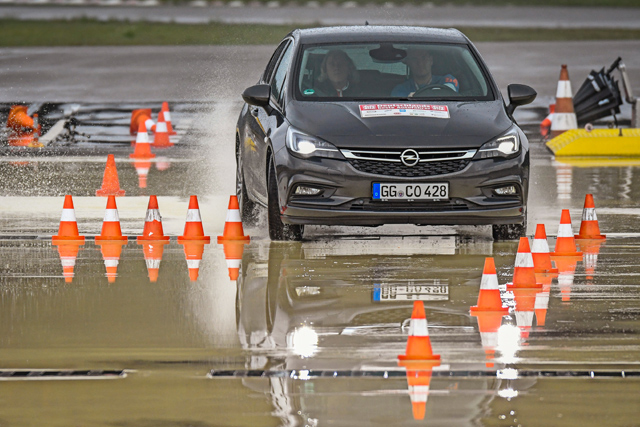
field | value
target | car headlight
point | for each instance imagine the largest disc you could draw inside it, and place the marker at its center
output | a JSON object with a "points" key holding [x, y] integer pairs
{"points": [[306, 146], [504, 146]]}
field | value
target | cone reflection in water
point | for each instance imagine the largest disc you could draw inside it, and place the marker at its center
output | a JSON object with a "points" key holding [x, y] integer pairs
{"points": [[418, 381], [68, 251], [153, 250], [110, 182], [111, 250], [541, 306], [68, 229], [524, 275], [566, 273], [524, 309], [162, 163], [489, 295], [589, 227], [590, 250], [233, 251], [142, 169], [193, 251], [488, 324]]}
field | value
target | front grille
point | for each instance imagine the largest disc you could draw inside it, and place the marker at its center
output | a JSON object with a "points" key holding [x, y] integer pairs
{"points": [[399, 169], [399, 206]]}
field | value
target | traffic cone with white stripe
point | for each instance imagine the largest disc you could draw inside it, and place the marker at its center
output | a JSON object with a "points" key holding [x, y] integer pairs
{"points": [[142, 115], [153, 250], [545, 125], [489, 296], [142, 148], [110, 182], [233, 225], [524, 275], [418, 381], [68, 230], [68, 251], [233, 251], [589, 228], [153, 223], [564, 117], [161, 137], [193, 229], [193, 250], [111, 224], [565, 242], [167, 117], [111, 250], [540, 252]]}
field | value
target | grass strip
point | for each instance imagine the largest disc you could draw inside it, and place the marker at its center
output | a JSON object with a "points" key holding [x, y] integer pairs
{"points": [[84, 32]]}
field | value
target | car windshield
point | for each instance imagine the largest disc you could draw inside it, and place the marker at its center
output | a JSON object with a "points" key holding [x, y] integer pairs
{"points": [[390, 71]]}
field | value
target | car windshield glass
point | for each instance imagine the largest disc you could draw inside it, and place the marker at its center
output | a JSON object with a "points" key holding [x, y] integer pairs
{"points": [[390, 71]]}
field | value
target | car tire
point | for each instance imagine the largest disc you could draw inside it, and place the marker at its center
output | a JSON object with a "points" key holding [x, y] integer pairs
{"points": [[277, 229], [248, 208], [509, 231]]}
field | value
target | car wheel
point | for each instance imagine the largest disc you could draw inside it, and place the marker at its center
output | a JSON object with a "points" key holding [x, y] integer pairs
{"points": [[248, 207], [277, 229], [509, 231]]}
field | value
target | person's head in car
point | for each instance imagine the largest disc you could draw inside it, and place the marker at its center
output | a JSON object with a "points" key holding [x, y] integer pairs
{"points": [[420, 62], [338, 73]]}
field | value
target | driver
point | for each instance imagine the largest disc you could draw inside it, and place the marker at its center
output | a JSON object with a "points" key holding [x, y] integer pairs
{"points": [[420, 61]]}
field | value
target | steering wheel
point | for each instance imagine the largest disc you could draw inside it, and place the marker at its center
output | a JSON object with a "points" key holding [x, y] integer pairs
{"points": [[435, 90]]}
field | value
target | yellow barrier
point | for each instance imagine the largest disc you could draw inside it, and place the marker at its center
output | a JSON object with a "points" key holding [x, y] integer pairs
{"points": [[598, 142]]}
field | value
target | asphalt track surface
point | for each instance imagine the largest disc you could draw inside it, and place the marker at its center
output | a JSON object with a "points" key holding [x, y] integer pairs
{"points": [[471, 16], [309, 333]]}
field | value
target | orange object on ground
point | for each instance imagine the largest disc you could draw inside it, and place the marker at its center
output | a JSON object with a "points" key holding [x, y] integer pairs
{"points": [[524, 275], [111, 250], [153, 222], [193, 250], [565, 242], [564, 118], [19, 121], [545, 125], [233, 251], [110, 182], [142, 148], [589, 228], [167, 117], [540, 252], [142, 115], [418, 343], [68, 251], [233, 225], [68, 230], [489, 295], [488, 324], [161, 137], [193, 227], [111, 224], [153, 250]]}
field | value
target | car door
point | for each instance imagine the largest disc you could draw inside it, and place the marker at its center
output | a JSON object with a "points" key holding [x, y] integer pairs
{"points": [[260, 123]]}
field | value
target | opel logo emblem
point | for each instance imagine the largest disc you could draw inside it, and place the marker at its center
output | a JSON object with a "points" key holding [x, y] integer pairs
{"points": [[410, 157]]}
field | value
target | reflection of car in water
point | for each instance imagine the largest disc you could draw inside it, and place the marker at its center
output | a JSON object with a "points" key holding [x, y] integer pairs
{"points": [[376, 125], [312, 306]]}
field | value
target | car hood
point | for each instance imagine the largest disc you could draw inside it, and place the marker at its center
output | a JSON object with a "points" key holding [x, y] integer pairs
{"points": [[470, 124]]}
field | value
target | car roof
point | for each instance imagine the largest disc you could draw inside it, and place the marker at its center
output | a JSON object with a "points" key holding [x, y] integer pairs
{"points": [[376, 33]]}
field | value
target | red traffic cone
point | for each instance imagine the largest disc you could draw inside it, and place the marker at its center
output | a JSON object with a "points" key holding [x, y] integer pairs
{"points": [[193, 227], [141, 116], [110, 183], [524, 275], [418, 343], [68, 251], [111, 224], [68, 230], [233, 251], [589, 228], [193, 251], [489, 296], [153, 250], [233, 225], [540, 252], [111, 250], [153, 222], [167, 117], [142, 148], [564, 117], [161, 138], [565, 242]]}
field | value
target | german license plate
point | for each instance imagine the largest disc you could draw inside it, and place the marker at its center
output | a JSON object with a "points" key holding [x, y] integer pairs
{"points": [[433, 290], [410, 192]]}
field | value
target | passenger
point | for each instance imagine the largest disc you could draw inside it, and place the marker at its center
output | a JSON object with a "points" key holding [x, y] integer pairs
{"points": [[420, 61], [338, 76]]}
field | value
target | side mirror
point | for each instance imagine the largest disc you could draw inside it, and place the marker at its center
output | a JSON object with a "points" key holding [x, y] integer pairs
{"points": [[520, 95], [257, 95]]}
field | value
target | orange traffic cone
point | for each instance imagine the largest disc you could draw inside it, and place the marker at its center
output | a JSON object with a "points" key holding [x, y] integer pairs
{"points": [[19, 121], [142, 149], [193, 228], [541, 305], [589, 228], [193, 250], [68, 251], [418, 343], [167, 117], [111, 224], [161, 138], [233, 226], [488, 324], [564, 117], [111, 250], [524, 275], [489, 296], [110, 182], [142, 115], [153, 250], [153, 222], [68, 230], [545, 125], [565, 242], [233, 251], [540, 252], [142, 169]]}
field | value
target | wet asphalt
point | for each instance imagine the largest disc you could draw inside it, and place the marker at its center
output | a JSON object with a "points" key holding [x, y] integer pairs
{"points": [[308, 333]]}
